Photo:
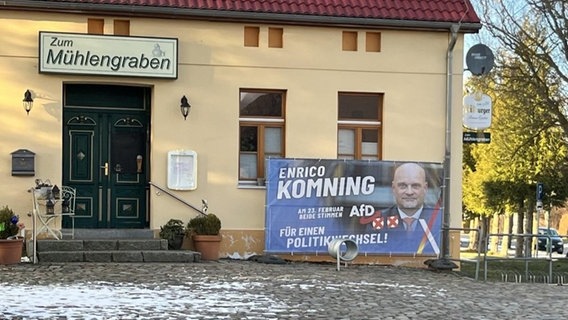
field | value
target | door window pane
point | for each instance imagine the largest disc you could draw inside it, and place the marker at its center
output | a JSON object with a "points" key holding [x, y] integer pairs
{"points": [[125, 147]]}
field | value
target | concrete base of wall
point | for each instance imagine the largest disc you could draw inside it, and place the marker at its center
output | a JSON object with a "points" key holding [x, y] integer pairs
{"points": [[242, 244]]}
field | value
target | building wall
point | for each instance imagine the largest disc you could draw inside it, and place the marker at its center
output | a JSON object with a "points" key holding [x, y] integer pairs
{"points": [[213, 65]]}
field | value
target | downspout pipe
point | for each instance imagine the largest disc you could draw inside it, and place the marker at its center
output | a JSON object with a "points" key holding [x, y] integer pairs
{"points": [[443, 262], [448, 149]]}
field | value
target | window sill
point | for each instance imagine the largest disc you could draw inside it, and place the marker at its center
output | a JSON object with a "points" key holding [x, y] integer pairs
{"points": [[245, 185]]}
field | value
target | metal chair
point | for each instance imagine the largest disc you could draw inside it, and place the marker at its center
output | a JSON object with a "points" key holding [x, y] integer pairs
{"points": [[68, 196], [66, 207]]}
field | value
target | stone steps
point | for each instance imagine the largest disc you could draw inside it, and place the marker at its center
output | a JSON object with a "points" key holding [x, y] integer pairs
{"points": [[110, 249], [110, 234]]}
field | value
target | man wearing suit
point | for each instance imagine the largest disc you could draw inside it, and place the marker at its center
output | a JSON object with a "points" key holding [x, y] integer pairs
{"points": [[408, 226]]}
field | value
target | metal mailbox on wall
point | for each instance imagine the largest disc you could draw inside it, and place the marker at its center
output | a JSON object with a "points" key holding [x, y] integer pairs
{"points": [[23, 163]]}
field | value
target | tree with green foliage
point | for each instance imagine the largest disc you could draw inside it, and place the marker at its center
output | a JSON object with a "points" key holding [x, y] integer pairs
{"points": [[528, 139]]}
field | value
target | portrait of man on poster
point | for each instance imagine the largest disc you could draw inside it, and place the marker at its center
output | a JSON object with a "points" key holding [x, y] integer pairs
{"points": [[410, 226]]}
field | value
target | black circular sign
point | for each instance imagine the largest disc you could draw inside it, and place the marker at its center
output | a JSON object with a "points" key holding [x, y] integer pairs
{"points": [[479, 59]]}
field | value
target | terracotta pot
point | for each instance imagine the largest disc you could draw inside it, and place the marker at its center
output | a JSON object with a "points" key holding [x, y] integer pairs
{"points": [[208, 246], [11, 251]]}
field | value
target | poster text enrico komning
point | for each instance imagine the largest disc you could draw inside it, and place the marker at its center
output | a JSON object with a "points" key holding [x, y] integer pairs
{"points": [[306, 182]]}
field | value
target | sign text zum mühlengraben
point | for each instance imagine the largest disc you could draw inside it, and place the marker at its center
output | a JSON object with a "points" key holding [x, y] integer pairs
{"points": [[125, 56]]}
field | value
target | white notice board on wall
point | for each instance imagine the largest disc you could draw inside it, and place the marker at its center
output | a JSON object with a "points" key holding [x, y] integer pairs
{"points": [[182, 170]]}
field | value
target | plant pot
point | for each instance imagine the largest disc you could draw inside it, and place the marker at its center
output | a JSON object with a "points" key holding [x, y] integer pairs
{"points": [[208, 246], [11, 251], [176, 242]]}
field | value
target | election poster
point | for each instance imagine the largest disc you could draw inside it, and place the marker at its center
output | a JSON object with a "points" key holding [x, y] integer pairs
{"points": [[386, 207]]}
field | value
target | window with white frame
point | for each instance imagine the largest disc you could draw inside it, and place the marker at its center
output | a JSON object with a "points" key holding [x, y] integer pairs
{"points": [[261, 131]]}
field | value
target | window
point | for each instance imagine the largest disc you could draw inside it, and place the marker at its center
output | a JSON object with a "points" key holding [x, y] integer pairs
{"points": [[121, 27], [251, 36], [349, 41], [359, 126], [261, 126], [95, 26]]}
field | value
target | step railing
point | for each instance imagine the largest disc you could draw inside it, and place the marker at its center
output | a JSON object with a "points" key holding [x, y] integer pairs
{"points": [[203, 210]]}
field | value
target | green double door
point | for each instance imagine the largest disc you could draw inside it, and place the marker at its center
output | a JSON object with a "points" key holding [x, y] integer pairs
{"points": [[105, 154]]}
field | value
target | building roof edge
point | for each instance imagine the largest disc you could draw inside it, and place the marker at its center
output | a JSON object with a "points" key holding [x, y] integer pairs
{"points": [[234, 16]]}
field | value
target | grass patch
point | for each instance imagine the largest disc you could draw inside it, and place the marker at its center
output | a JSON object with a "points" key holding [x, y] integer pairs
{"points": [[518, 270]]}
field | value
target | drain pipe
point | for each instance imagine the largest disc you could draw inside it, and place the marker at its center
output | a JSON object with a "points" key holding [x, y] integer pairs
{"points": [[448, 153], [444, 262]]}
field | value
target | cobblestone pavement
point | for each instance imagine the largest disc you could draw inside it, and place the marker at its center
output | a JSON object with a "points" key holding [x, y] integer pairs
{"points": [[234, 289]]}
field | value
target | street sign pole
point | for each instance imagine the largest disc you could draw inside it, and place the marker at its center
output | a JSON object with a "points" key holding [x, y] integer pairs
{"points": [[539, 196]]}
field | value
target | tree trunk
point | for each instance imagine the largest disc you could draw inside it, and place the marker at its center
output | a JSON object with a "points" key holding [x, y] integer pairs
{"points": [[494, 227], [520, 230], [529, 229], [509, 228], [483, 230], [505, 240]]}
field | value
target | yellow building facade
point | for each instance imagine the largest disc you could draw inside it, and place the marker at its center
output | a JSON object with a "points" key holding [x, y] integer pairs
{"points": [[411, 68]]}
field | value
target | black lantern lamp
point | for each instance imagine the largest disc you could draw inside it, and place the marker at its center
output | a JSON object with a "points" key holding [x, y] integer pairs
{"points": [[56, 192], [65, 205], [28, 101], [50, 206], [185, 106]]}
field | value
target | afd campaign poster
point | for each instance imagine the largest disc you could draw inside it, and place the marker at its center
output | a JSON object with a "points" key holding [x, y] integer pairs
{"points": [[385, 207]]}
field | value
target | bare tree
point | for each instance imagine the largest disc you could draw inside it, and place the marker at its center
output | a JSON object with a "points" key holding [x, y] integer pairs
{"points": [[536, 33], [530, 78]]}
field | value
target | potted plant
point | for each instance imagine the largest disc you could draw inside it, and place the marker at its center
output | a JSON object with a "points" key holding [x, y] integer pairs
{"points": [[11, 243], [174, 232], [204, 230]]}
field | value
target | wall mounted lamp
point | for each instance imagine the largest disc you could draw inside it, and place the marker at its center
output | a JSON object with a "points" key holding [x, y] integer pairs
{"points": [[185, 106], [28, 102]]}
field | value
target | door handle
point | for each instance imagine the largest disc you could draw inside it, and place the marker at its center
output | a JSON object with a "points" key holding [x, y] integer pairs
{"points": [[139, 163], [106, 168]]}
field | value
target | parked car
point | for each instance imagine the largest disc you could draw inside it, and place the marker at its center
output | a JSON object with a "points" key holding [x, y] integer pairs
{"points": [[549, 234]]}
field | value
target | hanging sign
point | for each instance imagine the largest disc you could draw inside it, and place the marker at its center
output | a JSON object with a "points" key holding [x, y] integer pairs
{"points": [[71, 53], [476, 137], [477, 111]]}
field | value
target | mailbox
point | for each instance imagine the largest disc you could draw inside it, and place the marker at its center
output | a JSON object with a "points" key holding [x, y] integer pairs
{"points": [[23, 163]]}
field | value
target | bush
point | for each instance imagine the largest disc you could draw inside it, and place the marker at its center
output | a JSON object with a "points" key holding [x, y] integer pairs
{"points": [[205, 224]]}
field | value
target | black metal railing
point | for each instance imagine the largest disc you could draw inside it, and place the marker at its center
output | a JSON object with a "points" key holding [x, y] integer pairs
{"points": [[202, 211]]}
